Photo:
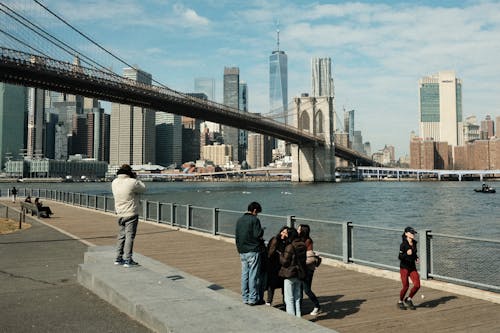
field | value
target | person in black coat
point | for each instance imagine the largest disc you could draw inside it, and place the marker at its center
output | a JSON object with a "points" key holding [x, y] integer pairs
{"points": [[408, 259], [275, 247]]}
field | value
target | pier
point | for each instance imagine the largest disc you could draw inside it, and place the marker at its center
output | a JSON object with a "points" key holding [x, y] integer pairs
{"points": [[353, 299]]}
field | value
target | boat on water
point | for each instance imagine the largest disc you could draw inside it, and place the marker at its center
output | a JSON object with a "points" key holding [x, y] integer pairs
{"points": [[485, 189]]}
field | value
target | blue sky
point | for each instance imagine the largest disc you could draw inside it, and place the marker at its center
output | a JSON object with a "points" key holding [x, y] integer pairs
{"points": [[379, 49]]}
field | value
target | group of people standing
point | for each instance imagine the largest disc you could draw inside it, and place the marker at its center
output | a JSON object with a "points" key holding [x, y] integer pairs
{"points": [[287, 262]]}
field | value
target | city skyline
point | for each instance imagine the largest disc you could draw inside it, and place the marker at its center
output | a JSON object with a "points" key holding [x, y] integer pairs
{"points": [[378, 50]]}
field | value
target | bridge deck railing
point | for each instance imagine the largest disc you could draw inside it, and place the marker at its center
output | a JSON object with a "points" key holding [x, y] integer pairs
{"points": [[457, 259]]}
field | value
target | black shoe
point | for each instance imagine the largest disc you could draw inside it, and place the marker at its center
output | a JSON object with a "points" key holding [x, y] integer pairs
{"points": [[401, 305], [409, 304], [130, 263]]}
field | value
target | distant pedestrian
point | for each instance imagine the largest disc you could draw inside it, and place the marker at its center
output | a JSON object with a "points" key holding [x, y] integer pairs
{"points": [[126, 189], [408, 260], [14, 193], [293, 270], [248, 236], [304, 231], [275, 247]]}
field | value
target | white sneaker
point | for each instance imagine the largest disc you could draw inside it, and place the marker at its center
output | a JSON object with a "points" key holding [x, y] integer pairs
{"points": [[314, 312], [268, 304]]}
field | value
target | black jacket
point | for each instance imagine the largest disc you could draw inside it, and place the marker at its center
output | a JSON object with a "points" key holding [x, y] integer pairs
{"points": [[408, 261]]}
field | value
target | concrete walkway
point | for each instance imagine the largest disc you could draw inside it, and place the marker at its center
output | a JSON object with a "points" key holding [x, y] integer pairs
{"points": [[352, 301]]}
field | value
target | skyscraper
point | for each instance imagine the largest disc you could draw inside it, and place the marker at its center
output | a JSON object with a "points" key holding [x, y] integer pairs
{"points": [[349, 125], [278, 83], [243, 134], [487, 128], [12, 121], [231, 99], [322, 81], [132, 135], [168, 139], [36, 123], [440, 108]]}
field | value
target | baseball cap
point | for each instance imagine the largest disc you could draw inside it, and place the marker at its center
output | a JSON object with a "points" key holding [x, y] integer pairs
{"points": [[410, 230]]}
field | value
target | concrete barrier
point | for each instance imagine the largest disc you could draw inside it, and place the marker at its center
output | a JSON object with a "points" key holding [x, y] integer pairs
{"points": [[166, 299]]}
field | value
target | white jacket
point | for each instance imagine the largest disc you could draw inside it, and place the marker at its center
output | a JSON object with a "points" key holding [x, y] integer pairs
{"points": [[126, 192]]}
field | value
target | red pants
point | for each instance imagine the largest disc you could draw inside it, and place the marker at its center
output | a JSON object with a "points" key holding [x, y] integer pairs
{"points": [[415, 279]]}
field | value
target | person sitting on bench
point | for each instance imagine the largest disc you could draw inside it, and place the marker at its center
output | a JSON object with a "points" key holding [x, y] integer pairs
{"points": [[42, 208]]}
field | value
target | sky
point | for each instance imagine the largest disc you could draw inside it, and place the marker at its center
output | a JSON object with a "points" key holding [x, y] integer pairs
{"points": [[379, 50]]}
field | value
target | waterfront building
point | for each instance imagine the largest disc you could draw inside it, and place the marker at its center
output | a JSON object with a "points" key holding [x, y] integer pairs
{"points": [[76, 167], [478, 155], [440, 108], [487, 128], [207, 86], [471, 129], [132, 133], [429, 154], [322, 81], [168, 139], [231, 99], [218, 154], [12, 121], [259, 150]]}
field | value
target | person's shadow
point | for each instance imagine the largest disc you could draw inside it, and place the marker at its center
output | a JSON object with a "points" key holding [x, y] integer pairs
{"points": [[332, 308], [435, 302]]}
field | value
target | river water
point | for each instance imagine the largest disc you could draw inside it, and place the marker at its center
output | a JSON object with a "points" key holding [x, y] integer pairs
{"points": [[450, 208], [443, 207]]}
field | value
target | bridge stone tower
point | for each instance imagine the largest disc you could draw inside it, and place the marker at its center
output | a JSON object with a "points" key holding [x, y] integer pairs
{"points": [[314, 163]]}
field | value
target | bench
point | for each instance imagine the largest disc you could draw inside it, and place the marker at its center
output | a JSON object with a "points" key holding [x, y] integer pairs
{"points": [[28, 207]]}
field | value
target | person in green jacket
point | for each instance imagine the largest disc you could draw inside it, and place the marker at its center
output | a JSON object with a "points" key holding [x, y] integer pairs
{"points": [[248, 236]]}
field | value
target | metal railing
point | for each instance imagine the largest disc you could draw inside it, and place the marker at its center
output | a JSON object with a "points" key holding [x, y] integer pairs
{"points": [[462, 260]]}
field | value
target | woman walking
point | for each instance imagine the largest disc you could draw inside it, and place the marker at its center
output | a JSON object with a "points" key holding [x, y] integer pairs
{"points": [[408, 260], [304, 231]]}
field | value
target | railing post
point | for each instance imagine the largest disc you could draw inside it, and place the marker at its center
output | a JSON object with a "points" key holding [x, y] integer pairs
{"points": [[105, 205], [425, 256], [172, 214], [346, 241], [290, 221], [145, 209], [188, 217], [158, 212], [215, 221]]}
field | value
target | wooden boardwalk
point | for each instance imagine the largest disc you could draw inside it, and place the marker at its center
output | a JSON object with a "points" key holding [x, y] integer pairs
{"points": [[351, 301]]}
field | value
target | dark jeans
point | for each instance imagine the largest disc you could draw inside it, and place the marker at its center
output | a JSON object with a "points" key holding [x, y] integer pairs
{"points": [[306, 284]]}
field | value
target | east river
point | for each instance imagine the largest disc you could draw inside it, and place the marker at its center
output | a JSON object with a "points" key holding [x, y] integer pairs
{"points": [[443, 207]]}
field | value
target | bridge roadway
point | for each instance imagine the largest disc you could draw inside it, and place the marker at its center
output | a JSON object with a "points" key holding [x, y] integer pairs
{"points": [[36, 71], [353, 300]]}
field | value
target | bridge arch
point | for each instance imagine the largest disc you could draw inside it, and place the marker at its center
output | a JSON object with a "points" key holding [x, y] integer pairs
{"points": [[314, 163]]}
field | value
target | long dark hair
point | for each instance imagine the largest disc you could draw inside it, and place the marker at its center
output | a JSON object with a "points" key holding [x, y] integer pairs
{"points": [[305, 230], [278, 235], [292, 235]]}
